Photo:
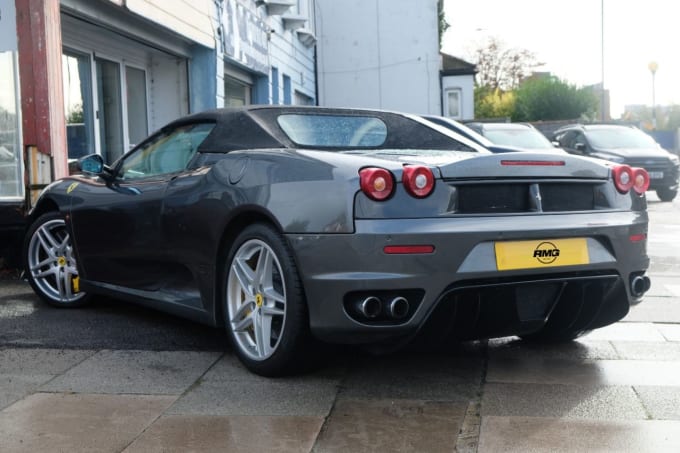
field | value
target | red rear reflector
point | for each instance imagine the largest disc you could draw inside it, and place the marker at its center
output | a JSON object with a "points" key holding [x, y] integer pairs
{"points": [[408, 249], [534, 163], [638, 237]]}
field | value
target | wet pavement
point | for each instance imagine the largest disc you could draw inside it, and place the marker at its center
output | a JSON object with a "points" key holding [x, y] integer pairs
{"points": [[115, 377]]}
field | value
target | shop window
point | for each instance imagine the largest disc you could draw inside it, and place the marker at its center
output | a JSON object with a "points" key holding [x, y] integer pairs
{"points": [[10, 147], [236, 92], [137, 119], [110, 109], [275, 86], [77, 76], [303, 99], [287, 90]]}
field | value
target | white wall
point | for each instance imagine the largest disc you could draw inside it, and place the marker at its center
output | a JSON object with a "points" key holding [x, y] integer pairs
{"points": [[379, 54], [189, 18], [466, 85]]}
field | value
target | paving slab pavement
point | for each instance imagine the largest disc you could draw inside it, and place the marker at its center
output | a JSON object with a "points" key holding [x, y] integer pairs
{"points": [[539, 434], [181, 434], [46, 422]]}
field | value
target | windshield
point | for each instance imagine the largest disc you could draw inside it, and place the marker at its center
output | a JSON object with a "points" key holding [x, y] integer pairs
{"points": [[620, 138], [520, 138]]}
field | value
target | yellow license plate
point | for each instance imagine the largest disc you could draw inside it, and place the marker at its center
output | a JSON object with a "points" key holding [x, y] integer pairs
{"points": [[541, 253]]}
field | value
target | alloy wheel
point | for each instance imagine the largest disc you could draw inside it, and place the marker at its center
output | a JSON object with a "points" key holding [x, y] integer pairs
{"points": [[52, 264], [256, 299]]}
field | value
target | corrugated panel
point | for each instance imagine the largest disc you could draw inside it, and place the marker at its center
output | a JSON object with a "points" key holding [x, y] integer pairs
{"points": [[81, 35]]}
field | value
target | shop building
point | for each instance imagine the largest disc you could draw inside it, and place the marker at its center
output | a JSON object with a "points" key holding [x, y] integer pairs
{"points": [[97, 76], [266, 51]]}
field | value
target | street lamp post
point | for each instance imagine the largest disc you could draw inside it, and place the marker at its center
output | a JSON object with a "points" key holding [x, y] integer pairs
{"points": [[653, 66]]}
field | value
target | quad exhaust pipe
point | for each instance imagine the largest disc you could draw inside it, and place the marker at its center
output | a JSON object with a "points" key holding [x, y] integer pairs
{"points": [[399, 307], [372, 307], [639, 285]]}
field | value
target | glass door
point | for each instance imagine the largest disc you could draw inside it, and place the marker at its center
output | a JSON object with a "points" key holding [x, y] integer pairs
{"points": [[137, 120], [11, 181], [110, 111], [77, 75]]}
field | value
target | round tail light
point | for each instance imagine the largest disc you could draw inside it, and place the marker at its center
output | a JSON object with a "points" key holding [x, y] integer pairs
{"points": [[376, 183], [640, 180], [418, 180], [623, 178]]}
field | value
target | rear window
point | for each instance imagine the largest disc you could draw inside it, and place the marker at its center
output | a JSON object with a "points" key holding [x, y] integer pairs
{"points": [[522, 138], [334, 131], [620, 137]]}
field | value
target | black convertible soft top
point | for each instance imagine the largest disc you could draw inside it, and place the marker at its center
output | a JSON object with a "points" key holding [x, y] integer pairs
{"points": [[256, 127]]}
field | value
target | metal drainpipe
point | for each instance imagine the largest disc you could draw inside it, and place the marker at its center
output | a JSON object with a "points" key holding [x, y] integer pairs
{"points": [[316, 76]]}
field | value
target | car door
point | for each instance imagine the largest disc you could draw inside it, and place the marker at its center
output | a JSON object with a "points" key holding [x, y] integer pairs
{"points": [[118, 230]]}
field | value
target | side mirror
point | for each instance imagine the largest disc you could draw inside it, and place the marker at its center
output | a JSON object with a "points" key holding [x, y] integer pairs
{"points": [[555, 143], [580, 147], [92, 163]]}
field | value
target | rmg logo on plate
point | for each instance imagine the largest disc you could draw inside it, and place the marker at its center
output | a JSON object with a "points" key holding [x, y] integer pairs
{"points": [[546, 252]]}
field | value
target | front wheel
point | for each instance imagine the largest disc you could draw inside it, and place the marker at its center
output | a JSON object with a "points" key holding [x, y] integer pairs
{"points": [[666, 194], [50, 262], [264, 305]]}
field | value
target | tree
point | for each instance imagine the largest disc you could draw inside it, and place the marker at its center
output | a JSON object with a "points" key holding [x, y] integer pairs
{"points": [[501, 67], [493, 103], [75, 115], [673, 118], [443, 23], [549, 98]]}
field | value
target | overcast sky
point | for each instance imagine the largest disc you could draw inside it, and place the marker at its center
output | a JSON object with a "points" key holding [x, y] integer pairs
{"points": [[566, 35]]}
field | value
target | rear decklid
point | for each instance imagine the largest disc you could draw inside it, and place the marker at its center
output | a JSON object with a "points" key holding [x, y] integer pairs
{"points": [[524, 165]]}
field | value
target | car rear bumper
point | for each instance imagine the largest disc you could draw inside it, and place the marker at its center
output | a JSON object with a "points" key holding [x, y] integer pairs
{"points": [[340, 271]]}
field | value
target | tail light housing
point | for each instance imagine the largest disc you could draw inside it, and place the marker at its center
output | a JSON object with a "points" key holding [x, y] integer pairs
{"points": [[418, 180], [623, 178], [640, 180], [376, 183]]}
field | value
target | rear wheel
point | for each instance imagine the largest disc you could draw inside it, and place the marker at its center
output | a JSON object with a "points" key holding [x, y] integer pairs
{"points": [[666, 194], [264, 305], [51, 264]]}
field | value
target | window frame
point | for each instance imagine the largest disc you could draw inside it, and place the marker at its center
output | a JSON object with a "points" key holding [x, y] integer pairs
{"points": [[18, 140], [459, 98]]}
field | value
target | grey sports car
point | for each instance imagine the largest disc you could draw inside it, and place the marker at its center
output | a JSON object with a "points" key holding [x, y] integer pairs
{"points": [[288, 225]]}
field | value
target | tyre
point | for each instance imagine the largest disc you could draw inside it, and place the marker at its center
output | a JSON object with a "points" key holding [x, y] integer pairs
{"points": [[51, 264], [264, 305], [666, 194]]}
